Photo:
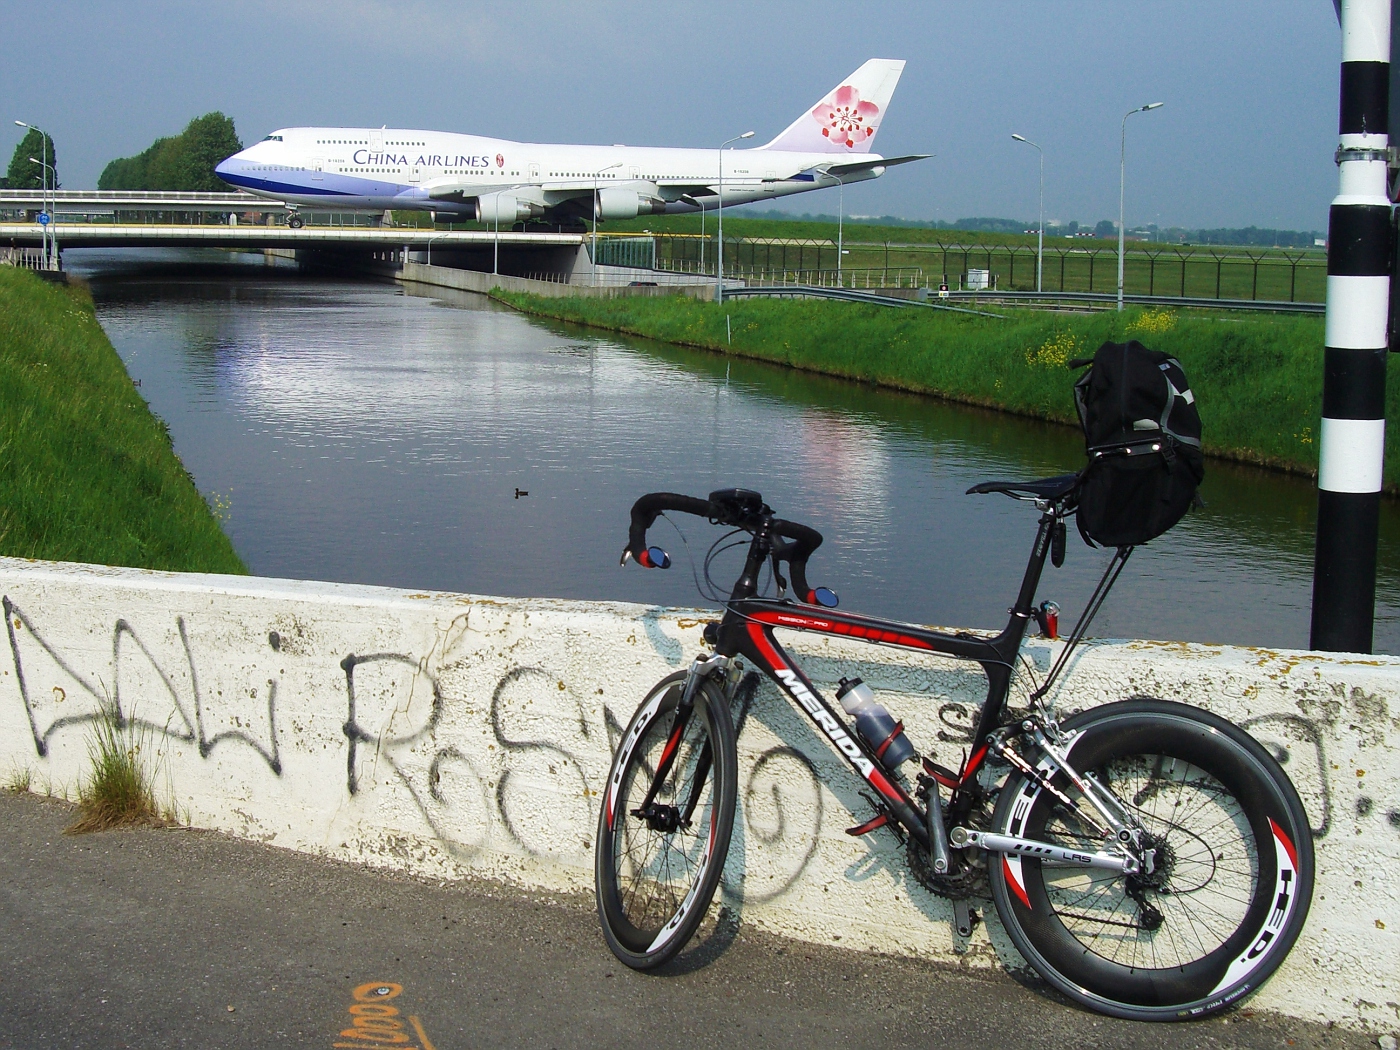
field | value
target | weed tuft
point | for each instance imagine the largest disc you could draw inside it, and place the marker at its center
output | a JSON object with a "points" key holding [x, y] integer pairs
{"points": [[21, 781], [118, 791]]}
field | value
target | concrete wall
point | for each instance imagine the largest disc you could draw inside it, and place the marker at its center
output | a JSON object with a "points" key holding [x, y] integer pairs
{"points": [[459, 736], [477, 281]]}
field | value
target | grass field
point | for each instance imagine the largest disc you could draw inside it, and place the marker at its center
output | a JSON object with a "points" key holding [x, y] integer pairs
{"points": [[87, 472], [1257, 379]]}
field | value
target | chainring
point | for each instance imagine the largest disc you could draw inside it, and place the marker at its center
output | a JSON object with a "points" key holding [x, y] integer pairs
{"points": [[969, 876]]}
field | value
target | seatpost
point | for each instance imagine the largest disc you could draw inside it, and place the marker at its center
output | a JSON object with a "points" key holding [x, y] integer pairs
{"points": [[1026, 599]]}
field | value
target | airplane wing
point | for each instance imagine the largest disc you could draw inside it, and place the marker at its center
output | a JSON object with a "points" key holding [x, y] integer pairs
{"points": [[850, 167]]}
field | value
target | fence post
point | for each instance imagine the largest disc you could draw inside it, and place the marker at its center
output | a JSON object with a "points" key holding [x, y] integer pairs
{"points": [[1352, 441]]}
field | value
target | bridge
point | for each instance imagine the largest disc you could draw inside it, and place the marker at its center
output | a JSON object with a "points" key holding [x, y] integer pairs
{"points": [[107, 202], [257, 237]]}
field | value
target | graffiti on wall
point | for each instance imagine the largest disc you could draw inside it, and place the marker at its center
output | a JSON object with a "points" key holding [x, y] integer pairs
{"points": [[503, 757], [179, 711]]}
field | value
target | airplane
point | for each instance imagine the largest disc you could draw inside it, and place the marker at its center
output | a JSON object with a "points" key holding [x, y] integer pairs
{"points": [[505, 182]]}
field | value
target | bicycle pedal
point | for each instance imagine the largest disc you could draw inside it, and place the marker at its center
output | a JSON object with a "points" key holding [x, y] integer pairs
{"points": [[964, 918]]}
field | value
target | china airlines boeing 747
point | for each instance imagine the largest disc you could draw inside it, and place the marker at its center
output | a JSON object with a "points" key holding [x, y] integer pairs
{"points": [[497, 180]]}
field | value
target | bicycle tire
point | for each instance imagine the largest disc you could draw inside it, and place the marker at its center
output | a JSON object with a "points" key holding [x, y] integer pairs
{"points": [[648, 910], [1228, 817]]}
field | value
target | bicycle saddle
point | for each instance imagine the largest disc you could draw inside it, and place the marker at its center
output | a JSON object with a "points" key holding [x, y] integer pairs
{"points": [[1046, 488]]}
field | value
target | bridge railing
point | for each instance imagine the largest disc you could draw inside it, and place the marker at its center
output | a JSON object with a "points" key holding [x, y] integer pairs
{"points": [[24, 258]]}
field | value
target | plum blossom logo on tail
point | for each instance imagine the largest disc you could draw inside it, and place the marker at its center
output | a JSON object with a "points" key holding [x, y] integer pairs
{"points": [[847, 118]]}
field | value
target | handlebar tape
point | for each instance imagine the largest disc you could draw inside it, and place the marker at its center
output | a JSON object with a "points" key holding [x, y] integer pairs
{"points": [[649, 507], [807, 540]]}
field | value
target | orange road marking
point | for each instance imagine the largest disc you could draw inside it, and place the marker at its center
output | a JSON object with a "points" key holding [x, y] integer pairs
{"points": [[375, 1024], [422, 1035]]}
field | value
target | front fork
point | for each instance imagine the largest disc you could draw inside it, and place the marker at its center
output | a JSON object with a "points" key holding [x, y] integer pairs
{"points": [[703, 667]]}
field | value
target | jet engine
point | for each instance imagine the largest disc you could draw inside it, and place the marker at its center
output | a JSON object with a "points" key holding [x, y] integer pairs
{"points": [[618, 202], [504, 207]]}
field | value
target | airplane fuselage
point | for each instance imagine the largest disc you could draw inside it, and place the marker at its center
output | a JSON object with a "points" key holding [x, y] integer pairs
{"points": [[489, 178]]}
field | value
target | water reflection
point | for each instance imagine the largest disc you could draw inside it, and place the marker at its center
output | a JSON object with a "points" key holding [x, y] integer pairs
{"points": [[368, 435]]}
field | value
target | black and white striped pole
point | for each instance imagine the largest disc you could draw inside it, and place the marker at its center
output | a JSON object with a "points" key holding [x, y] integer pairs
{"points": [[1353, 385]]}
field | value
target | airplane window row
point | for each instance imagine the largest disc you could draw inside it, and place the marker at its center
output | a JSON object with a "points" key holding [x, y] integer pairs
{"points": [[583, 174]]}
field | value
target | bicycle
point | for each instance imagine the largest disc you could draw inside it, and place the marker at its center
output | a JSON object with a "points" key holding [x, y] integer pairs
{"points": [[1149, 859]]}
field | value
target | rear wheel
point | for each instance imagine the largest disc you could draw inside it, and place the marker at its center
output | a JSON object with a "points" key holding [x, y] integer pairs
{"points": [[1232, 859], [657, 864]]}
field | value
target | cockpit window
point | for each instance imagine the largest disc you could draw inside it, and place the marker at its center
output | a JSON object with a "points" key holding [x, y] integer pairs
{"points": [[273, 138]]}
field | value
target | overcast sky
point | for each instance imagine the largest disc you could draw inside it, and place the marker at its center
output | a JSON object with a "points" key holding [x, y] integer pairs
{"points": [[1246, 136]]}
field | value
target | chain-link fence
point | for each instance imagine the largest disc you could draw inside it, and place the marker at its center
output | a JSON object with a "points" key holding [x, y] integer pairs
{"points": [[1189, 271]]}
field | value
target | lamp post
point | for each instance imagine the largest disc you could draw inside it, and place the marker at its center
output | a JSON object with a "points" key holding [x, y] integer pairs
{"points": [[840, 222], [719, 247], [1122, 154], [44, 191], [49, 170], [1040, 240], [596, 176]]}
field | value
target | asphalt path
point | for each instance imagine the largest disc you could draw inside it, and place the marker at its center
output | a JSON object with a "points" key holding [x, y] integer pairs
{"points": [[178, 938]]}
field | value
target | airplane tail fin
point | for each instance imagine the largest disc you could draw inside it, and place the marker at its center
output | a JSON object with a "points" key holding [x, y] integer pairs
{"points": [[847, 118]]}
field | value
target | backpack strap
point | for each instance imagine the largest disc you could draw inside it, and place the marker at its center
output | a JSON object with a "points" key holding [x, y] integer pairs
{"points": [[1174, 393]]}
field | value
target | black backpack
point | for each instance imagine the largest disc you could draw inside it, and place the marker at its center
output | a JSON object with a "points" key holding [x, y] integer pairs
{"points": [[1143, 436]]}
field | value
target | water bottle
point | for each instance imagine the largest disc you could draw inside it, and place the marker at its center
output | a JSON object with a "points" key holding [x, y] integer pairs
{"points": [[875, 725]]}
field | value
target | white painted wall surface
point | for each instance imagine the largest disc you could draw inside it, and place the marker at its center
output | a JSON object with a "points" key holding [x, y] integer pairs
{"points": [[457, 735]]}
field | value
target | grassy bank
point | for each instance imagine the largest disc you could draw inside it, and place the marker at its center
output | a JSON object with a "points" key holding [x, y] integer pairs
{"points": [[87, 473], [1257, 379]]}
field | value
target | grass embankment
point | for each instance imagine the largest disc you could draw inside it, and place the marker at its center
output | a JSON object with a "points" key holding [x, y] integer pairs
{"points": [[1257, 379], [87, 472]]}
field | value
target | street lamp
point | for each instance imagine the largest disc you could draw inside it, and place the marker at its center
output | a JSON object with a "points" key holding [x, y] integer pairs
{"points": [[840, 222], [44, 192], [1122, 154], [596, 176], [1040, 241], [719, 268]]}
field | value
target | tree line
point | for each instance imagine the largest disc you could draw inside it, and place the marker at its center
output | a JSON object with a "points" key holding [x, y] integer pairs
{"points": [[183, 162], [26, 174]]}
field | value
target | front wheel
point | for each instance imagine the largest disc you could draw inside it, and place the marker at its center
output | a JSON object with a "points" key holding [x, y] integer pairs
{"points": [[658, 861], [1232, 859]]}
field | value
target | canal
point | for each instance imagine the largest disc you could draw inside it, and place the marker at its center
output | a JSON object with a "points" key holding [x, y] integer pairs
{"points": [[351, 431]]}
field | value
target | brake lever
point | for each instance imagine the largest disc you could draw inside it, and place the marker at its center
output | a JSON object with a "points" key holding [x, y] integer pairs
{"points": [[778, 574]]}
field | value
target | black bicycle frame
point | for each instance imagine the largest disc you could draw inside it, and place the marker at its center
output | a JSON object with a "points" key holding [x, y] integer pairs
{"points": [[747, 630]]}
